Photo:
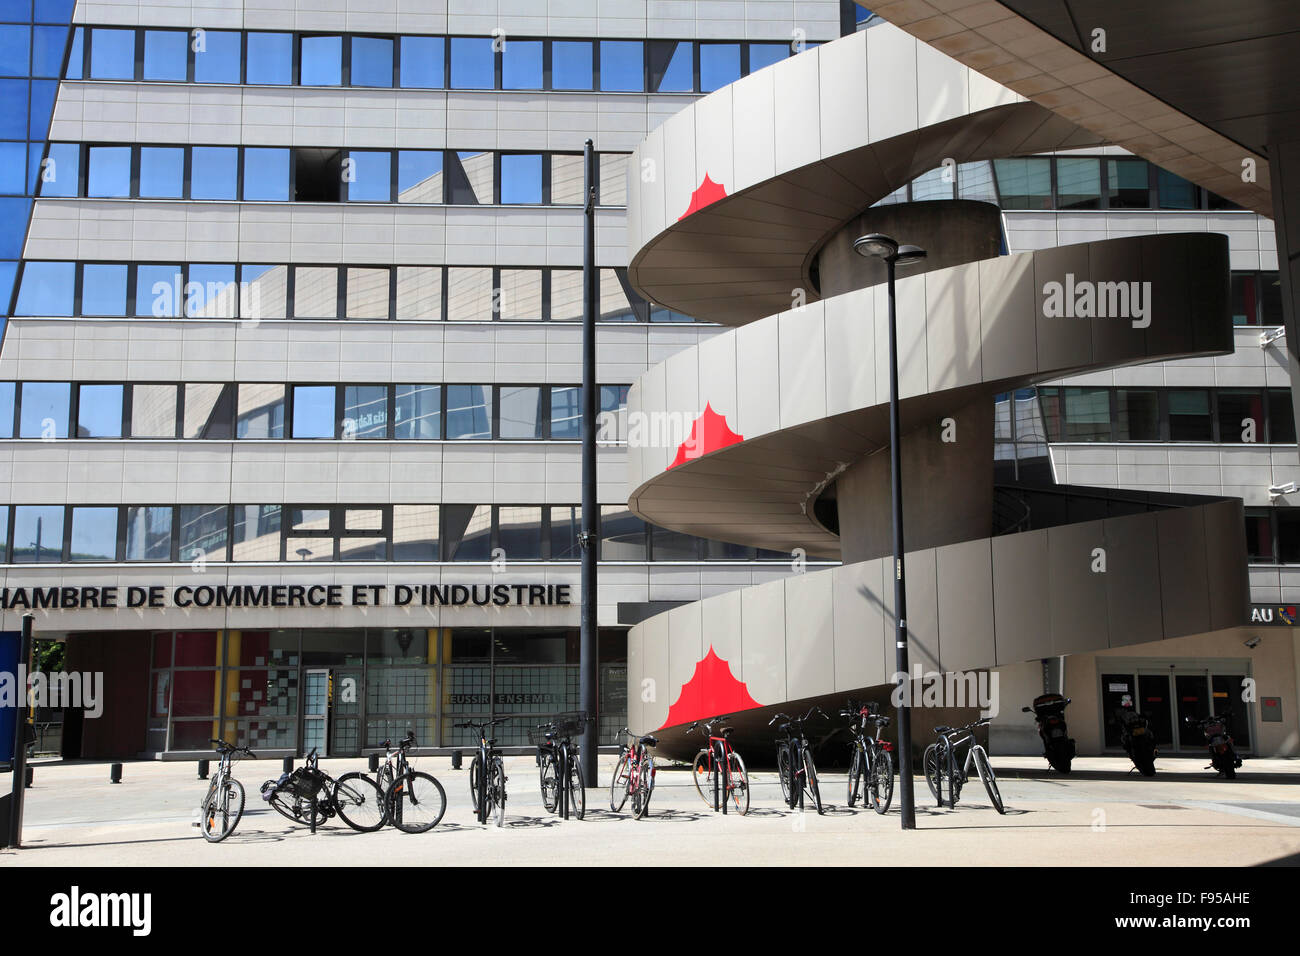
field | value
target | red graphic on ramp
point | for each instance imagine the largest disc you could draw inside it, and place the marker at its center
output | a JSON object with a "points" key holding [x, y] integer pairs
{"points": [[712, 690], [709, 192], [709, 432]]}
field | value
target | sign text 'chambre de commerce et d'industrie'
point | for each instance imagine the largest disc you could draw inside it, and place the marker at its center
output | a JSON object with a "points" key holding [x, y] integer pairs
{"points": [[276, 596]]}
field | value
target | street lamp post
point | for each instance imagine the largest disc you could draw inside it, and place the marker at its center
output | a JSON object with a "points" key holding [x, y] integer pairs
{"points": [[885, 248]]}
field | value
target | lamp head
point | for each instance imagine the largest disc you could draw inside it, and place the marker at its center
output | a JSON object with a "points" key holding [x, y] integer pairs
{"points": [[907, 255], [875, 245]]}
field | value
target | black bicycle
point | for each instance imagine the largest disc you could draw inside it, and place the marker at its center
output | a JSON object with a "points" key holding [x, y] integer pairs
{"points": [[871, 761], [487, 773], [946, 777], [310, 795], [557, 761], [414, 801], [223, 806], [794, 760]]}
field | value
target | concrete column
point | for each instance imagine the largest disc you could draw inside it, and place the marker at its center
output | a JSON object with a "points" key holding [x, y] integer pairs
{"points": [[1284, 172]]}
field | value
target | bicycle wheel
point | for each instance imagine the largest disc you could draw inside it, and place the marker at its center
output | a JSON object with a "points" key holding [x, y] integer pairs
{"points": [[786, 775], [855, 775], [288, 806], [642, 787], [550, 783], [577, 789], [497, 790], [738, 784], [990, 781], [810, 780], [881, 784], [933, 763], [358, 802], [618, 786], [476, 783], [222, 811], [416, 802], [702, 774]]}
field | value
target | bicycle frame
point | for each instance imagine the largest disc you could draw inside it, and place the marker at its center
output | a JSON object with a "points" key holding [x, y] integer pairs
{"points": [[721, 771]]}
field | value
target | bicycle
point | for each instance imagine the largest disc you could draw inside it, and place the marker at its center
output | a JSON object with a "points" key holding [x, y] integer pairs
{"points": [[794, 760], [223, 806], [722, 767], [634, 774], [941, 764], [487, 773], [557, 760], [311, 794], [871, 756], [414, 801]]}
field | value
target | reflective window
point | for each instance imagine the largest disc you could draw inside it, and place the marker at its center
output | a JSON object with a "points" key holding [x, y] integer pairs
{"points": [[1174, 192], [419, 175], [566, 295], [1270, 298], [203, 532], [1087, 414], [315, 292], [77, 55], [99, 411], [112, 54], [566, 523], [469, 412], [466, 532], [1281, 417], [933, 185], [108, 172], [521, 65], [38, 534], [149, 534], [1244, 298], [263, 292], [1024, 183], [15, 41], [719, 65], [94, 534], [46, 288], [668, 545], [521, 411], [415, 532], [266, 173], [615, 304], [422, 62], [369, 176], [256, 533], [260, 410], [61, 170], [521, 178], [270, 58], [313, 411], [567, 179], [613, 179], [165, 54], [469, 294], [209, 411], [216, 56], [418, 412], [153, 411], [419, 292], [211, 292], [622, 535], [473, 63], [7, 391], [1241, 415], [363, 537], [1127, 184], [571, 65], [1189, 415], [519, 532], [469, 178], [308, 536], [159, 291], [103, 289], [44, 410], [13, 109], [162, 172], [322, 61], [975, 181], [367, 293], [566, 412], [372, 61], [521, 295], [1137, 414], [365, 411], [611, 421], [622, 66], [672, 68], [214, 172], [765, 54], [1078, 183]]}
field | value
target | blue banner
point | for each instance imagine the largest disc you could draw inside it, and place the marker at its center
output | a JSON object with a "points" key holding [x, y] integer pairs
{"points": [[11, 695]]}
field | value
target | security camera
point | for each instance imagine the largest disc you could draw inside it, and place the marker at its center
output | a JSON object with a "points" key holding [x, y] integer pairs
{"points": [[1276, 491], [1268, 338], [1253, 642]]}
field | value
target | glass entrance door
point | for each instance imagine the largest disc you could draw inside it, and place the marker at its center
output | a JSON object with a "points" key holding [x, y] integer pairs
{"points": [[1193, 696], [1153, 701], [315, 710]]}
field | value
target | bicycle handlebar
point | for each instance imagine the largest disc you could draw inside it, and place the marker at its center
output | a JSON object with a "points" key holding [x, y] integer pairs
{"points": [[223, 747]]}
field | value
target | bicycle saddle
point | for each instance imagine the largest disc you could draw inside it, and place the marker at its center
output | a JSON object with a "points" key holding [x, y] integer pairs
{"points": [[944, 730], [649, 740]]}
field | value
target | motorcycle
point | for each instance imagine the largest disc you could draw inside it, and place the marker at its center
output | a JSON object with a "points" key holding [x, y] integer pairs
{"points": [[1223, 757], [1139, 744], [1049, 712]]}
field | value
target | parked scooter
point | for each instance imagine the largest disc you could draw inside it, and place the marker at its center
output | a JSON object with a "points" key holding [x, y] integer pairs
{"points": [[1135, 735], [1223, 756], [1049, 712]]}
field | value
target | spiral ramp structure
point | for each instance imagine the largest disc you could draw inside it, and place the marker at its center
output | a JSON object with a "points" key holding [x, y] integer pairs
{"points": [[744, 215]]}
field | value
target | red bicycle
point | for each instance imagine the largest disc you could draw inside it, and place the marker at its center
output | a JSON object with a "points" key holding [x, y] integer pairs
{"points": [[718, 772], [635, 774]]}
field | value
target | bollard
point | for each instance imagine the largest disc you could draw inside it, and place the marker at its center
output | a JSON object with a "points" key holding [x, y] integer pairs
{"points": [[31, 775], [374, 763], [455, 760], [287, 765], [203, 770], [115, 773]]}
